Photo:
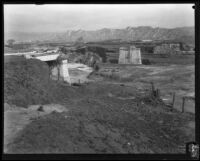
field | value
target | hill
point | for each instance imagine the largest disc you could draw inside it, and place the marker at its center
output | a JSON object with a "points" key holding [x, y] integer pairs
{"points": [[183, 34]]}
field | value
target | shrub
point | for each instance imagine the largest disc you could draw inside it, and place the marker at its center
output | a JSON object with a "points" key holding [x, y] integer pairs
{"points": [[99, 51], [146, 62], [113, 61], [96, 67]]}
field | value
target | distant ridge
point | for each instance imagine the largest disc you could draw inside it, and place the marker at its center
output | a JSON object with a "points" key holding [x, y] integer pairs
{"points": [[183, 34]]}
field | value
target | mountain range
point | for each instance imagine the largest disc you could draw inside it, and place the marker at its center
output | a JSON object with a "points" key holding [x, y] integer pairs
{"points": [[182, 34]]}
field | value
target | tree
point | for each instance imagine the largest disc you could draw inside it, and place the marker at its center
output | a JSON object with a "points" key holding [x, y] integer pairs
{"points": [[10, 42], [63, 50]]}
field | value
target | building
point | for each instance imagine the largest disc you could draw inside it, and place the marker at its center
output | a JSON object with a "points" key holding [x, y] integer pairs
{"points": [[167, 48], [130, 55]]}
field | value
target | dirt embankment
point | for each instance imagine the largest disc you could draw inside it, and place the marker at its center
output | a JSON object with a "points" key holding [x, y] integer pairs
{"points": [[26, 81]]}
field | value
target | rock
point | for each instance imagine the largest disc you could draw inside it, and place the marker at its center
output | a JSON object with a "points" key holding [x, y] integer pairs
{"points": [[49, 108], [40, 109]]}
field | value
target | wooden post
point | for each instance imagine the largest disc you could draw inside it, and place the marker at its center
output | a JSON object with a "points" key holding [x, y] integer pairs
{"points": [[58, 69], [152, 87], [158, 93], [49, 70], [183, 104], [173, 100]]}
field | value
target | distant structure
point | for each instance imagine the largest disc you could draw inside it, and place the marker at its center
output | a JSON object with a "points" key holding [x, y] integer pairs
{"points": [[167, 48], [146, 40], [64, 71], [44, 57], [135, 55], [123, 55], [58, 71], [129, 56]]}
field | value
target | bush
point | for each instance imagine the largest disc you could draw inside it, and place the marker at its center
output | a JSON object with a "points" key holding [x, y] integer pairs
{"points": [[146, 62], [99, 51], [113, 61], [96, 67]]}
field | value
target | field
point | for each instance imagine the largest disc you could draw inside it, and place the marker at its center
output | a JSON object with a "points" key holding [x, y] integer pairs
{"points": [[168, 78], [114, 113]]}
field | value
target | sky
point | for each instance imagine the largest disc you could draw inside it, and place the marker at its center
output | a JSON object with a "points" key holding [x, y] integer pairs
{"points": [[59, 18]]}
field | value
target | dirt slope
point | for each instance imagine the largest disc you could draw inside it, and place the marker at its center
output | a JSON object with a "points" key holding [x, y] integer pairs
{"points": [[26, 81], [102, 124]]}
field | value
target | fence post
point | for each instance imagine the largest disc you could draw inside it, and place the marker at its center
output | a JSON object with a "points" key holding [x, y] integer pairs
{"points": [[58, 69], [158, 93], [153, 92], [173, 100], [183, 104], [152, 86]]}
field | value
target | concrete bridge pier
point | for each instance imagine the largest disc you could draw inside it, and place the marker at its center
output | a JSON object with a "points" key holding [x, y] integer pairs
{"points": [[64, 71]]}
